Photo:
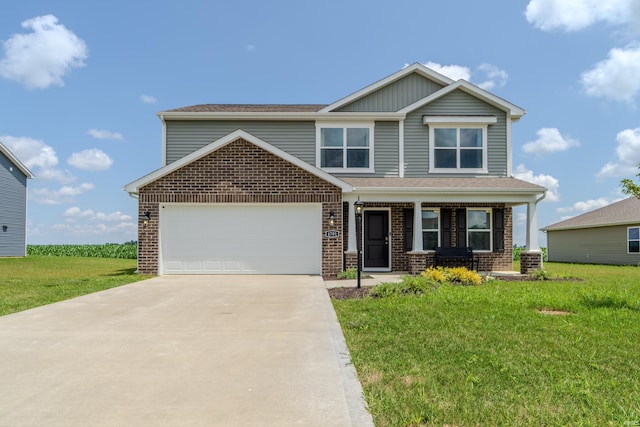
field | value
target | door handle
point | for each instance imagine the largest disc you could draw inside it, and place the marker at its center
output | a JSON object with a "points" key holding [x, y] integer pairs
{"points": [[386, 240]]}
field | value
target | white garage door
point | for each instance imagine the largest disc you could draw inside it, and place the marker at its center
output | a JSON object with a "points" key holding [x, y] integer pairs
{"points": [[241, 239]]}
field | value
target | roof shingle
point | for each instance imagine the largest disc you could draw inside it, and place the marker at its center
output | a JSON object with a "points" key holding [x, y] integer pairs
{"points": [[625, 211], [249, 108]]}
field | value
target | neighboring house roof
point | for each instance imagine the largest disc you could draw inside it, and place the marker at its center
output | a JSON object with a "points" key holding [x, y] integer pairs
{"points": [[626, 211], [4, 150], [134, 187]]}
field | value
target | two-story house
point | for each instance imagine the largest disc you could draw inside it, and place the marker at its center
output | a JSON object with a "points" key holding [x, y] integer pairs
{"points": [[270, 189]]}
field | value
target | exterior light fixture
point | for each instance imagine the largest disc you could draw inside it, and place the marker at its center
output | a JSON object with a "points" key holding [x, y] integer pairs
{"points": [[332, 219], [5, 228], [358, 206], [147, 217]]}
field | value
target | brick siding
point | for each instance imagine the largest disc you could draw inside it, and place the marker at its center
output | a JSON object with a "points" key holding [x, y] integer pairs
{"points": [[239, 172]]}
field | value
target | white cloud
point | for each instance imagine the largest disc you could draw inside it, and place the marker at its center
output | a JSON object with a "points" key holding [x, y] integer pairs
{"points": [[92, 159], [148, 99], [627, 156], [75, 213], [585, 206], [486, 76], [39, 157], [42, 57], [454, 72], [617, 77], [250, 48], [97, 231], [66, 194], [112, 217], [574, 15], [549, 141], [551, 183], [105, 134], [493, 76]]}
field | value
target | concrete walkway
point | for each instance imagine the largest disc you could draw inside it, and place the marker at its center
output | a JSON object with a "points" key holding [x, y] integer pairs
{"points": [[182, 351]]}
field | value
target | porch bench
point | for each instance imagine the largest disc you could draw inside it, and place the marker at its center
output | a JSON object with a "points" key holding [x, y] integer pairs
{"points": [[456, 257]]}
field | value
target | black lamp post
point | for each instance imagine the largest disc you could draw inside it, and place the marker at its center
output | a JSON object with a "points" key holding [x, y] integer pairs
{"points": [[358, 205]]}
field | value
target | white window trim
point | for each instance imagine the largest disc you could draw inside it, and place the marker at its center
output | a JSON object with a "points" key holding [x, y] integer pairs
{"points": [[631, 240], [345, 125], [490, 231], [457, 122], [422, 230]]}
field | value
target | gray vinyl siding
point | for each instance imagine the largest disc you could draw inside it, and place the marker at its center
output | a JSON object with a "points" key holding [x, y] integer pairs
{"points": [[598, 245], [13, 209], [395, 96], [457, 103], [386, 143], [186, 136]]}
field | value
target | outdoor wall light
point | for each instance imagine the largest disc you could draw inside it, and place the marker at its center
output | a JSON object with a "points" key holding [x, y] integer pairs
{"points": [[358, 205], [147, 217], [5, 228], [332, 218]]}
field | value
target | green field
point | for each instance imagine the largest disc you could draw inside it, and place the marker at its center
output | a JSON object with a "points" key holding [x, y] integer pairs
{"points": [[503, 353], [38, 280]]}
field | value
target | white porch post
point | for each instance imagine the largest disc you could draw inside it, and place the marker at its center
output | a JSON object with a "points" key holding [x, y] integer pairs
{"points": [[351, 244], [532, 227], [417, 227]]}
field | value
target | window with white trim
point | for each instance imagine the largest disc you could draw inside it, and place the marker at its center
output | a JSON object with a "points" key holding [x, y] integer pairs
{"points": [[633, 240], [458, 144], [430, 229], [344, 147], [479, 231]]}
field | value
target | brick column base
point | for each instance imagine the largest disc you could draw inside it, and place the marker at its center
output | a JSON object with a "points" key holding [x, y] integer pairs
{"points": [[350, 260], [530, 262], [417, 262]]}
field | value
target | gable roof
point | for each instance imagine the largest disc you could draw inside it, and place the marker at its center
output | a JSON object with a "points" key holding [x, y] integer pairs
{"points": [[13, 159], [134, 187], [514, 111], [413, 68], [626, 211]]}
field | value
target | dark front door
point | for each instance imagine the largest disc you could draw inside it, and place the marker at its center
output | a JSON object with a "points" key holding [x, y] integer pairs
{"points": [[376, 239]]}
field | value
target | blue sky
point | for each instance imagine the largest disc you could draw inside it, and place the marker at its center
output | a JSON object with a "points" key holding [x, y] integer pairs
{"points": [[81, 83]]}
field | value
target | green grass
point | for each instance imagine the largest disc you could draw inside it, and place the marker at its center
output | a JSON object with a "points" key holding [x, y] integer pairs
{"points": [[38, 280], [485, 355]]}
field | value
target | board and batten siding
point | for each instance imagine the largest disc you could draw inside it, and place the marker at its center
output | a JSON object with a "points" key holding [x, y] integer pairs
{"points": [[186, 136], [457, 103], [13, 209], [394, 96], [597, 245]]}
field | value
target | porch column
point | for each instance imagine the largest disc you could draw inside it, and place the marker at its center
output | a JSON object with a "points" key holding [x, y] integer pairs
{"points": [[351, 244], [417, 227], [532, 227]]}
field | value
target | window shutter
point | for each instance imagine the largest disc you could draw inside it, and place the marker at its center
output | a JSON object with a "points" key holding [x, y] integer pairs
{"points": [[408, 230], [445, 225], [461, 223], [498, 230]]}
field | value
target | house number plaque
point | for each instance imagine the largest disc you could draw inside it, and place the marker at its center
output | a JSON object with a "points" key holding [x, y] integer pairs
{"points": [[332, 234]]}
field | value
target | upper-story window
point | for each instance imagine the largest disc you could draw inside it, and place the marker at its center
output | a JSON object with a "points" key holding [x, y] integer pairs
{"points": [[344, 147], [633, 240], [458, 143]]}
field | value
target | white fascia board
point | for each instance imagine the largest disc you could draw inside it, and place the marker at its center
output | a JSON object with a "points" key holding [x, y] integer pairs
{"points": [[13, 159], [485, 120], [134, 186], [416, 67], [461, 195], [514, 111], [300, 116]]}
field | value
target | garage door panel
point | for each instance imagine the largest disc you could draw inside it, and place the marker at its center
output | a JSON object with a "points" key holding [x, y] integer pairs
{"points": [[241, 239]]}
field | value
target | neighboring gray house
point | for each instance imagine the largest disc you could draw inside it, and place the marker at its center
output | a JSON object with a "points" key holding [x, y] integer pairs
{"points": [[13, 204], [609, 235], [270, 189]]}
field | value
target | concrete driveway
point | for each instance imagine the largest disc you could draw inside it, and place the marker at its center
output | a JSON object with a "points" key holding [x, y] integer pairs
{"points": [[182, 351]]}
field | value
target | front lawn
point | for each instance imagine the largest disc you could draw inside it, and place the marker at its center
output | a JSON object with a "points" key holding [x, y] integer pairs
{"points": [[38, 280], [503, 353]]}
